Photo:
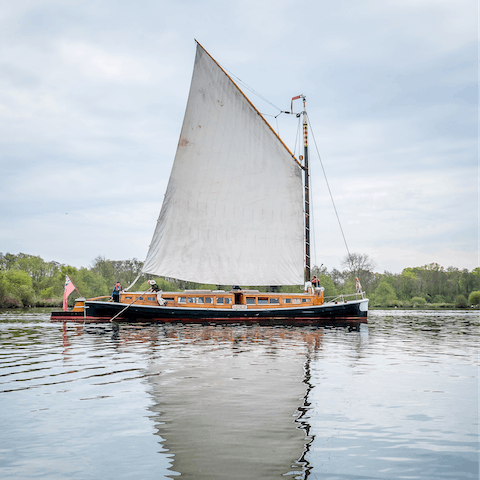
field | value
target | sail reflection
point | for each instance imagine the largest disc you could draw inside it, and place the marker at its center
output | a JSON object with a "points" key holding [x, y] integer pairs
{"points": [[231, 401]]}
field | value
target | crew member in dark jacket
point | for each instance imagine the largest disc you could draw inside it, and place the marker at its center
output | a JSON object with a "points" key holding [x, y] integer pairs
{"points": [[116, 292]]}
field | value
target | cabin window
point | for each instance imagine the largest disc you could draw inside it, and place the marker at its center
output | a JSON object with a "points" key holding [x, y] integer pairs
{"points": [[219, 300], [151, 299], [139, 298], [274, 300], [228, 300], [128, 298], [190, 299], [295, 300], [169, 299], [182, 299], [250, 300], [287, 300], [304, 300], [208, 300], [262, 301], [200, 300]]}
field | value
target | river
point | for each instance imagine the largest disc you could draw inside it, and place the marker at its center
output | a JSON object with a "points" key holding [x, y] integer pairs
{"points": [[395, 399]]}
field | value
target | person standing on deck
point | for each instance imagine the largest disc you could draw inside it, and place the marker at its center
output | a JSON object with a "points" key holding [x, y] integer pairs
{"points": [[116, 292]]}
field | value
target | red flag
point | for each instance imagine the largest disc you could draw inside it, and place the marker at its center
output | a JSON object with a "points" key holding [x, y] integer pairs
{"points": [[69, 288]]}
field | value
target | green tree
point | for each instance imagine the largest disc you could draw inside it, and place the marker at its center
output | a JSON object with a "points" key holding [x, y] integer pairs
{"points": [[47, 293], [474, 298], [430, 278], [18, 285], [407, 284], [472, 280], [43, 274], [418, 302], [360, 266], [105, 268], [126, 270], [385, 294], [3, 287], [461, 301], [327, 283], [7, 261], [16, 278], [92, 284], [337, 277], [34, 266]]}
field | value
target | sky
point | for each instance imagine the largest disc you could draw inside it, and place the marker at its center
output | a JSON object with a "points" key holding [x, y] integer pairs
{"points": [[92, 98]]}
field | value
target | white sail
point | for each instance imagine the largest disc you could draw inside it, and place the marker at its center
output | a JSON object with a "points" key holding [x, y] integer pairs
{"points": [[233, 209]]}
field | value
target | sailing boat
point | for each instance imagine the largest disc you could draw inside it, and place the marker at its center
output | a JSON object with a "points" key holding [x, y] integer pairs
{"points": [[235, 212]]}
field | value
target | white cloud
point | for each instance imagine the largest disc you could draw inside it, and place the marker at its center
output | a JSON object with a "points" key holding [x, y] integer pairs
{"points": [[99, 64]]}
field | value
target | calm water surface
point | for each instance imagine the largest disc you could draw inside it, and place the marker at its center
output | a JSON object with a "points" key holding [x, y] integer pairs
{"points": [[397, 399]]}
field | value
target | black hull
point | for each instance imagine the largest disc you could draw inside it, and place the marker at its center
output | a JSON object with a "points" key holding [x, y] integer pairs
{"points": [[326, 314]]}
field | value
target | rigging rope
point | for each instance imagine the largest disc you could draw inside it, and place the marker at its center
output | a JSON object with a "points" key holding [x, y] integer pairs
{"points": [[312, 215], [247, 87], [251, 89], [328, 186]]}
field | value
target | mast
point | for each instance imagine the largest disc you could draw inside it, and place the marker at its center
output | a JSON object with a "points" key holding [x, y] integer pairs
{"points": [[307, 194], [306, 184]]}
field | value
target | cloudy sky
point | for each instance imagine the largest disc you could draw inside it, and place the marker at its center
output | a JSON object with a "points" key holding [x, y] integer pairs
{"points": [[92, 97]]}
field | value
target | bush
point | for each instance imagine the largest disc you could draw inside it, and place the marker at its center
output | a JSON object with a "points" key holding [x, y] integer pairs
{"points": [[16, 289], [46, 293], [385, 294], [461, 301], [474, 298], [49, 302], [26, 295], [445, 305], [10, 302], [418, 301], [17, 278]]}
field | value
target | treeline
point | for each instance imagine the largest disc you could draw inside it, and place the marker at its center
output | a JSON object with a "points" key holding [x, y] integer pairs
{"points": [[28, 280], [428, 285]]}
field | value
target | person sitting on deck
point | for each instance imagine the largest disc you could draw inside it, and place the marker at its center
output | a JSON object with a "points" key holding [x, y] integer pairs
{"points": [[315, 282], [116, 292]]}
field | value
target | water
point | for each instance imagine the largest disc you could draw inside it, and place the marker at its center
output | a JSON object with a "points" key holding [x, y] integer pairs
{"points": [[396, 399]]}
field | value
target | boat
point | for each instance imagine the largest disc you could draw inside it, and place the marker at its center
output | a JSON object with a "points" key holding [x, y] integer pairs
{"points": [[236, 212]]}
